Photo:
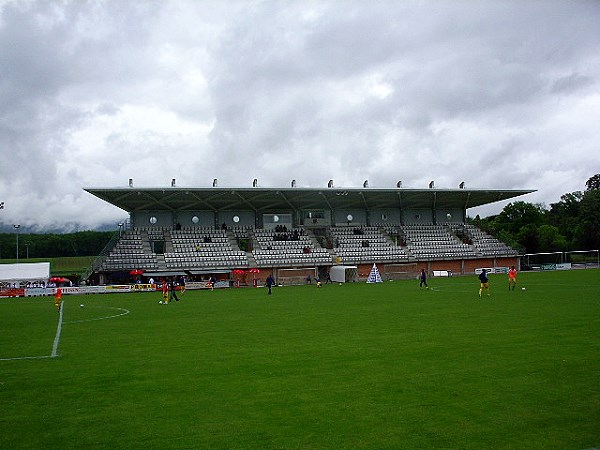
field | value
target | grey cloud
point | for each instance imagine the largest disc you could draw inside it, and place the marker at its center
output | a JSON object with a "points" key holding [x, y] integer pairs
{"points": [[98, 92], [571, 83]]}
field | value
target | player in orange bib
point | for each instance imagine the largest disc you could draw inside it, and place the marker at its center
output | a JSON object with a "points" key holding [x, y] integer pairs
{"points": [[512, 278], [58, 298]]}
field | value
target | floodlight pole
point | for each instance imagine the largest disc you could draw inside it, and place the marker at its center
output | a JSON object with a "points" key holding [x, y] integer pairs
{"points": [[17, 226]]}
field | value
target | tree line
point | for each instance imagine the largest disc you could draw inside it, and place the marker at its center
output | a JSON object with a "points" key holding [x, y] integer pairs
{"points": [[81, 243], [573, 223]]}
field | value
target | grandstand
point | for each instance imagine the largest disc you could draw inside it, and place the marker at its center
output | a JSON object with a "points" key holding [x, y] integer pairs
{"points": [[297, 233]]}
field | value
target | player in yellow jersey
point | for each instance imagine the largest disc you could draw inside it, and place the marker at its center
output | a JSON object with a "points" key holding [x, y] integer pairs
{"points": [[485, 282], [58, 298]]}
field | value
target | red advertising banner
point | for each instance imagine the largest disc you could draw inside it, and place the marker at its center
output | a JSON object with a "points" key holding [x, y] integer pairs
{"points": [[12, 292]]}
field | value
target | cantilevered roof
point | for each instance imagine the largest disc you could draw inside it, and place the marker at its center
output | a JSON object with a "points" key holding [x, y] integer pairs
{"points": [[132, 199]]}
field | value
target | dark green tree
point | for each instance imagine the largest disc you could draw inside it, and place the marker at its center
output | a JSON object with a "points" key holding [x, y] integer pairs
{"points": [[84, 243], [588, 233], [517, 215], [565, 215], [550, 239], [528, 237], [593, 184]]}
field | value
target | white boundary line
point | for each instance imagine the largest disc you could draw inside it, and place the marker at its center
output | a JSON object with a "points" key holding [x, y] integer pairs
{"points": [[124, 313], [54, 353], [26, 357]]}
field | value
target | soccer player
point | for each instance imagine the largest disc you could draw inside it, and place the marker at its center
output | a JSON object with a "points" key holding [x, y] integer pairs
{"points": [[58, 298], [270, 282], [423, 279], [512, 278], [485, 283], [182, 285], [165, 292], [173, 290]]}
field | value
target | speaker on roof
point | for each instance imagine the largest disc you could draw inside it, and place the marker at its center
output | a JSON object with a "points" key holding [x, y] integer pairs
{"points": [[399, 184], [173, 182], [131, 182], [215, 182], [255, 183], [431, 185], [330, 184]]}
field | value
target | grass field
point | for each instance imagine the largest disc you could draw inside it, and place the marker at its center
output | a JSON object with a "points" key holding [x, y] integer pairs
{"points": [[358, 366]]}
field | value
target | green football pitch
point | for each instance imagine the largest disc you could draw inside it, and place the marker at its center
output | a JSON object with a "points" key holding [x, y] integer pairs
{"points": [[354, 366]]}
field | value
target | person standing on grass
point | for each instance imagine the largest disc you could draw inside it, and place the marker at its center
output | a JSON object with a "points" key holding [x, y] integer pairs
{"points": [[165, 292], [173, 291], [328, 278], [512, 278], [182, 285], [485, 282], [58, 298], [270, 282], [423, 279]]}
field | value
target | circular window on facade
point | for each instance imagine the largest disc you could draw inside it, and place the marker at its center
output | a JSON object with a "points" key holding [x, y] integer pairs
{"points": [[153, 220], [383, 217], [236, 219], [195, 220], [275, 219], [349, 217]]}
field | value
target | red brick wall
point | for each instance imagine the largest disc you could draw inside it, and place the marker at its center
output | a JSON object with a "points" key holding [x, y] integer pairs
{"points": [[452, 266], [457, 267]]}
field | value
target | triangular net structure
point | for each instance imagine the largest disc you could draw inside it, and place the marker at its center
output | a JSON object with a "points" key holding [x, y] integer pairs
{"points": [[374, 276]]}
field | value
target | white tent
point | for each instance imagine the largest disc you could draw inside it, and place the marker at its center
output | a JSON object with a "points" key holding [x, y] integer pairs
{"points": [[25, 272], [374, 276], [343, 274]]}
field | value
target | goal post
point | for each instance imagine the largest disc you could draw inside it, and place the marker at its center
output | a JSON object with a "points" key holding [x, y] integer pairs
{"points": [[541, 261], [583, 258], [577, 259]]}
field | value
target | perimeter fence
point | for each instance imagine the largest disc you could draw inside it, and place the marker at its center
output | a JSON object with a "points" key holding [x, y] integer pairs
{"points": [[578, 259]]}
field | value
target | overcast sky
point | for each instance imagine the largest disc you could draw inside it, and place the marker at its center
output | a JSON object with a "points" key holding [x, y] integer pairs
{"points": [[499, 94]]}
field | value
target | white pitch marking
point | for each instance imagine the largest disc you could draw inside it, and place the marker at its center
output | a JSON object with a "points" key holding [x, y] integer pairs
{"points": [[124, 313], [26, 357], [58, 329], [54, 353]]}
